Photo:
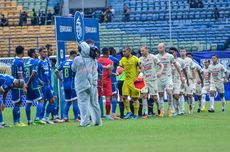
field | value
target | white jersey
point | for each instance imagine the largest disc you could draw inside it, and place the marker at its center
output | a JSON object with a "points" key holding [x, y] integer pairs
{"points": [[217, 73], [198, 68], [175, 74], [189, 65], [205, 76], [150, 62], [167, 60]]}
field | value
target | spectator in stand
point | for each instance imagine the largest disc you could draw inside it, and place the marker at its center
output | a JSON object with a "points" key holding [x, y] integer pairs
{"points": [[57, 9], [34, 18], [4, 21], [126, 12], [112, 10], [23, 18], [200, 4], [216, 13], [42, 18], [107, 15], [98, 14], [49, 18]]}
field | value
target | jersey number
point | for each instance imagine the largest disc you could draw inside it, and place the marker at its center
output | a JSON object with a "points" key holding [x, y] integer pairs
{"points": [[27, 72], [66, 72]]}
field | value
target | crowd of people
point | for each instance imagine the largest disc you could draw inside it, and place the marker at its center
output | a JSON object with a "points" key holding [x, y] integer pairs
{"points": [[93, 79]]}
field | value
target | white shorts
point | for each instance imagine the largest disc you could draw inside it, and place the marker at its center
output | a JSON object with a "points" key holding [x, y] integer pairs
{"points": [[177, 87], [165, 84], [189, 90], [150, 88], [205, 89], [219, 87], [198, 89]]}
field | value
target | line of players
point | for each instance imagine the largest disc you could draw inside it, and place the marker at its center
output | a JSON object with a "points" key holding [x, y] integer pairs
{"points": [[179, 77], [35, 80]]}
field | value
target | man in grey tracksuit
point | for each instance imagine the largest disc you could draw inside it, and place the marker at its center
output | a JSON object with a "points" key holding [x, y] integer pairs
{"points": [[86, 86]]}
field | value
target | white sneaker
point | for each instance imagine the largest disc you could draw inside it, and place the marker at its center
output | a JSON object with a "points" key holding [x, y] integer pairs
{"points": [[47, 121]]}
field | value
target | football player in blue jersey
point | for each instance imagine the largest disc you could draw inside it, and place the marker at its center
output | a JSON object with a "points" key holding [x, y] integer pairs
{"points": [[34, 84], [17, 69], [6, 83], [44, 75], [114, 81], [69, 88]]}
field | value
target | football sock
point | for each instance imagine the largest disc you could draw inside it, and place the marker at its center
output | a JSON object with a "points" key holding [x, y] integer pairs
{"points": [[127, 105], [114, 105], [223, 102], [66, 109], [39, 110], [28, 111], [211, 102], [107, 106], [16, 113], [76, 110], [136, 107], [122, 108]]}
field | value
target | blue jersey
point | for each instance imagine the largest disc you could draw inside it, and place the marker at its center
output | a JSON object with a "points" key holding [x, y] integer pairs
{"points": [[50, 73], [115, 65], [29, 67], [44, 71], [67, 73], [17, 67], [6, 82]]}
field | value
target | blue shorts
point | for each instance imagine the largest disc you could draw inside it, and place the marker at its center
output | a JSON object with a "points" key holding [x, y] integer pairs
{"points": [[34, 95], [70, 95], [114, 88], [47, 92], [17, 95]]}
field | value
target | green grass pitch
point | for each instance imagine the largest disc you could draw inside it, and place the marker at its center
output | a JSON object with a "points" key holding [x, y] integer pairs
{"points": [[204, 132]]}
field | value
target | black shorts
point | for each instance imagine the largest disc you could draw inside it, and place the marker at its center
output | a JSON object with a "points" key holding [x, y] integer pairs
{"points": [[119, 85]]}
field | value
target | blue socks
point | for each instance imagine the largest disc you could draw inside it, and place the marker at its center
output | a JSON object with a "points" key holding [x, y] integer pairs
{"points": [[49, 109], [39, 110], [66, 109], [1, 118], [76, 110], [16, 113], [114, 104], [28, 111]]}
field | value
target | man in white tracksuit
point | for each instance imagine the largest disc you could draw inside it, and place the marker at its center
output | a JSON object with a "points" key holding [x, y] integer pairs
{"points": [[86, 77]]}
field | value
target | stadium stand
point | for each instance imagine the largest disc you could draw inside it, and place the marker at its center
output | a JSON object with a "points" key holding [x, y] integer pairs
{"points": [[193, 28]]}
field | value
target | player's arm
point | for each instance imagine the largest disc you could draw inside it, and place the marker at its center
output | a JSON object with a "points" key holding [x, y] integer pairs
{"points": [[179, 71], [60, 67], [31, 78], [161, 68], [186, 75], [200, 76]]}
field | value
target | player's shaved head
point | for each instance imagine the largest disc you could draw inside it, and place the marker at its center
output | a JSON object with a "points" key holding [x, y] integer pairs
{"points": [[161, 48]]}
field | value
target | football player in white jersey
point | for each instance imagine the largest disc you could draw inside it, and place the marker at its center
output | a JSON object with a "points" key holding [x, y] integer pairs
{"points": [[217, 78], [165, 81], [206, 84]]}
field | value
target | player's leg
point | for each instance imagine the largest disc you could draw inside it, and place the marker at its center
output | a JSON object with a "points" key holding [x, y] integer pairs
{"points": [[144, 99], [198, 94], [17, 99], [67, 104], [204, 91], [169, 89], [107, 92], [212, 100], [126, 93], [135, 95], [100, 100], [76, 110], [220, 89], [29, 101], [114, 100], [161, 87], [121, 103]]}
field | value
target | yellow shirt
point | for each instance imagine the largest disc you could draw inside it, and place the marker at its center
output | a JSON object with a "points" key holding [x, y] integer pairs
{"points": [[130, 66]]}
